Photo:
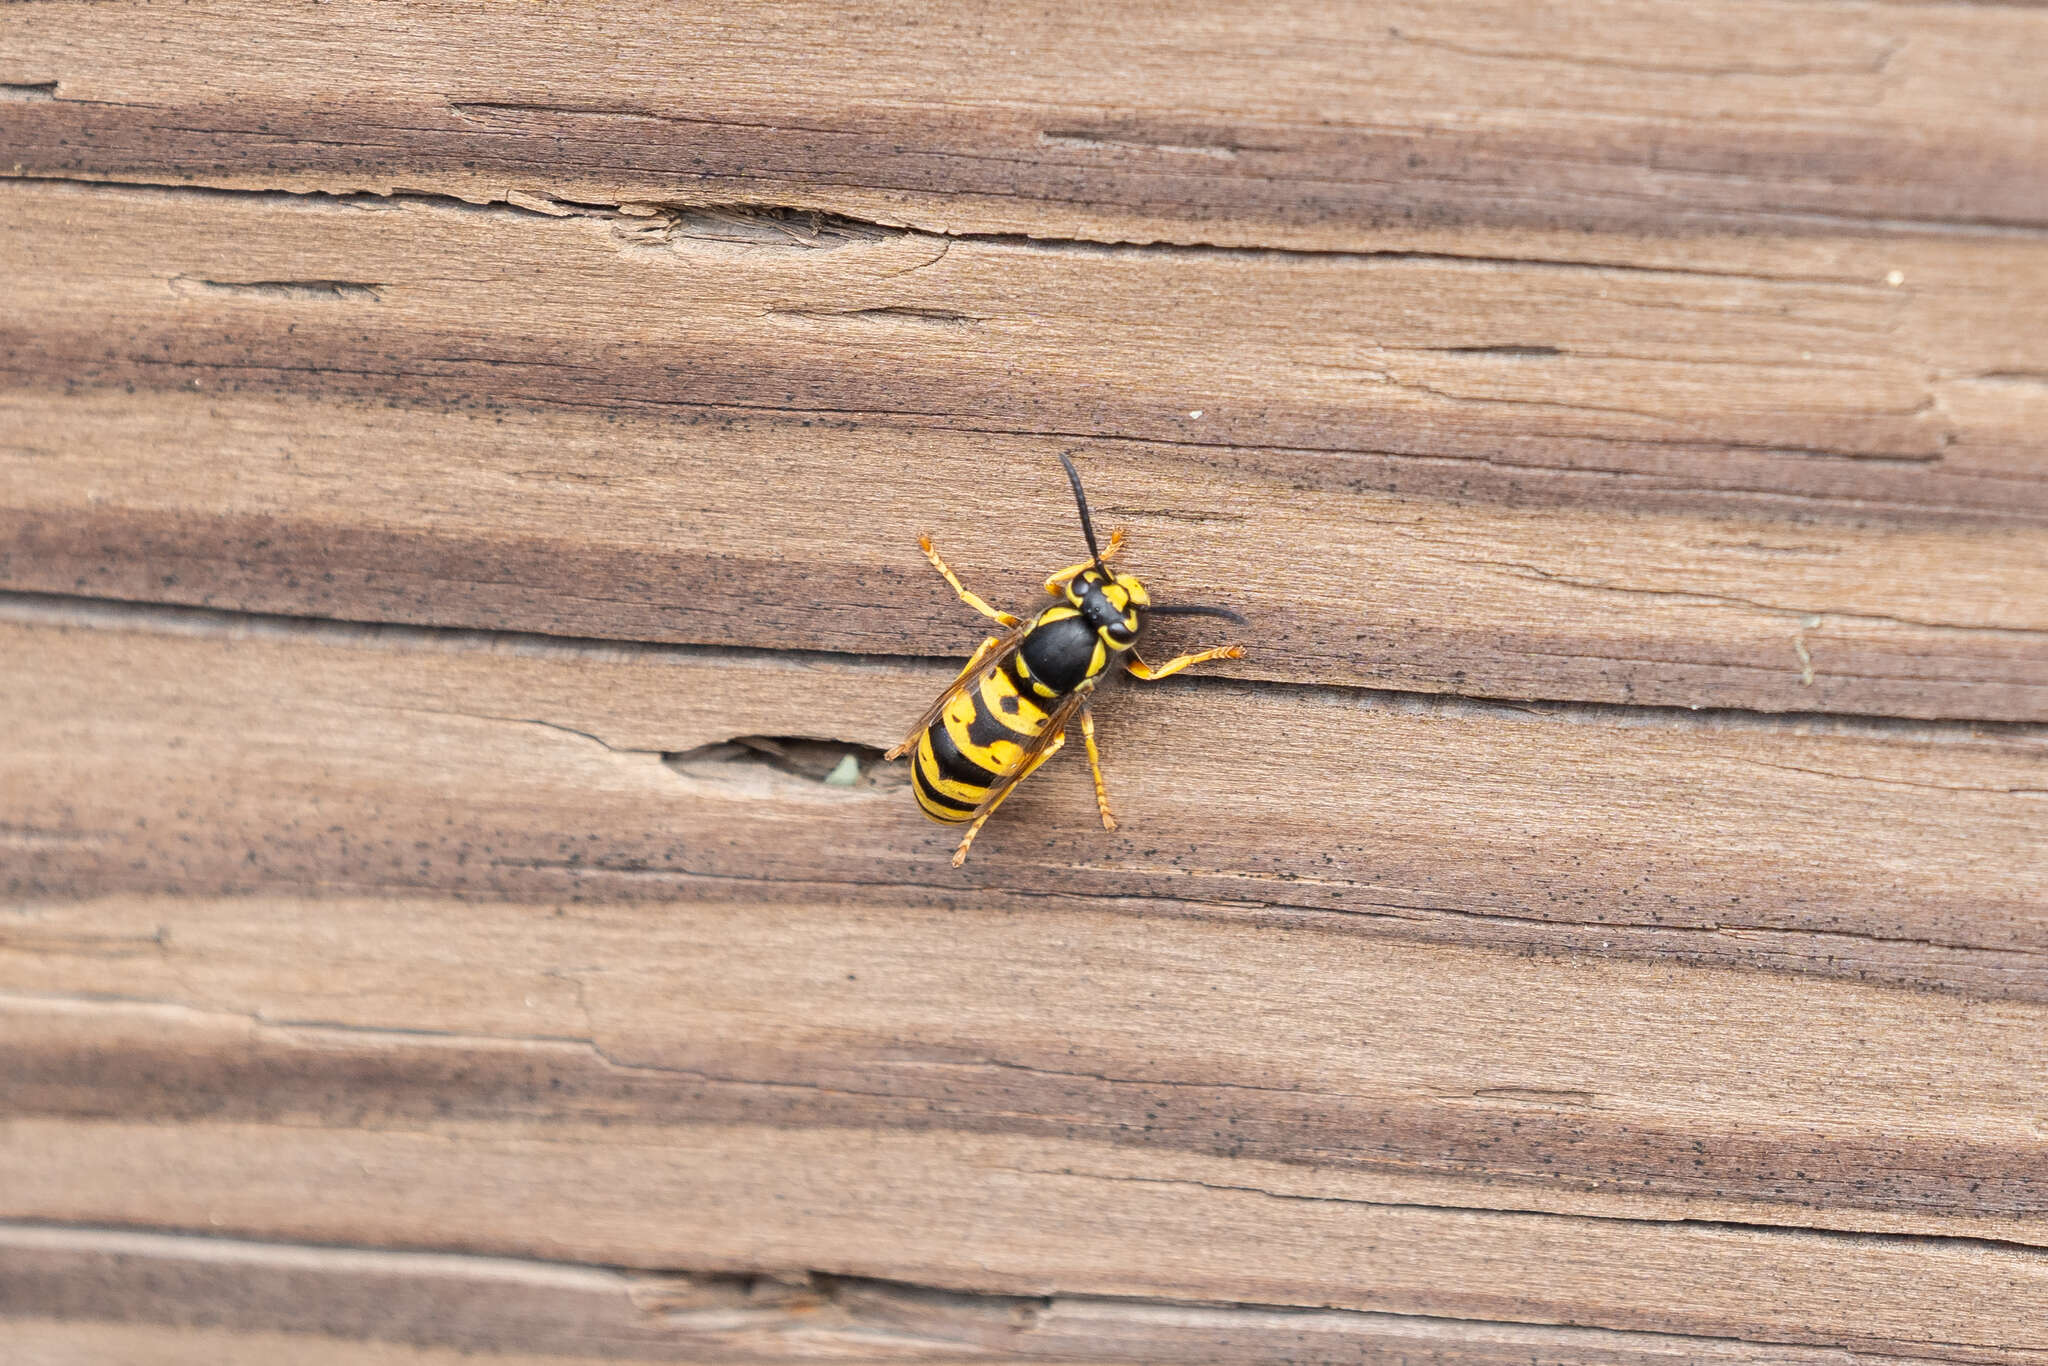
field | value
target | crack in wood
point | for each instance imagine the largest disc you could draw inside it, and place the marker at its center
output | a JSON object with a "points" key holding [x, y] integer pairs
{"points": [[1811, 617], [1899, 782], [281, 289], [2028, 1250], [277, 1086], [166, 1274], [780, 223], [82, 611], [1604, 930], [1104, 141], [892, 313]]}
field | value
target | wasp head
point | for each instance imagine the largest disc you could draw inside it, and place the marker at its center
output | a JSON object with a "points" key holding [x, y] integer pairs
{"points": [[1109, 603]]}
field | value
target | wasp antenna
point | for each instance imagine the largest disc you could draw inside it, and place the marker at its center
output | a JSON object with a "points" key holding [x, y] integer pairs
{"points": [[1081, 502], [1196, 610]]}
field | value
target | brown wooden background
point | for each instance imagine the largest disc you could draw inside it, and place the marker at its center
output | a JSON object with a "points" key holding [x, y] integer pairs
{"points": [[1602, 920]]}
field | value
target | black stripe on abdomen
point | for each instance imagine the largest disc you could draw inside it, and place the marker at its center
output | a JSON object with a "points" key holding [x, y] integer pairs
{"points": [[987, 728], [954, 766], [935, 797]]}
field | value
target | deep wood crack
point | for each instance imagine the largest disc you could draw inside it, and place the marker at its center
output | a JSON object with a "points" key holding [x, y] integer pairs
{"points": [[88, 612]]}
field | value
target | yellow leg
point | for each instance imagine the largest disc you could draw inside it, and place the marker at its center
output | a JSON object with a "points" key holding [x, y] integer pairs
{"points": [[1095, 766], [967, 840], [953, 580], [1140, 669], [1057, 584]]}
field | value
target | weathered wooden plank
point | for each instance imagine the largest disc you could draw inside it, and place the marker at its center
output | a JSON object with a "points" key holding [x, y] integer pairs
{"points": [[1785, 494], [99, 1296], [1228, 1049], [615, 1065], [1626, 354], [269, 758], [887, 1090], [1307, 124], [307, 1141], [52, 1343]]}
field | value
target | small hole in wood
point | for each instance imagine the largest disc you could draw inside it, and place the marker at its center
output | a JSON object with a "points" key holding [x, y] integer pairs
{"points": [[829, 763]]}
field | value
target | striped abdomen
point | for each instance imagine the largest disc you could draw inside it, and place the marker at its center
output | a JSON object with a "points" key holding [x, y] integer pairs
{"points": [[981, 736]]}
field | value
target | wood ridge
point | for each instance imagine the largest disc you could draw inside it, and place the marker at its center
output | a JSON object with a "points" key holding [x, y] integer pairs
{"points": [[84, 1274], [89, 612]]}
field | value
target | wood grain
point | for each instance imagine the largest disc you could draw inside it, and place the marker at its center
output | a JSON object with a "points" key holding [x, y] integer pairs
{"points": [[99, 1296], [1782, 494], [1226, 1050], [1296, 124], [396, 762], [459, 480], [730, 1007], [288, 1132], [883, 1122]]}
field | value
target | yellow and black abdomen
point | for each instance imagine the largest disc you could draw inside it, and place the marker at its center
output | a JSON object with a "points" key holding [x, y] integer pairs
{"points": [[982, 735]]}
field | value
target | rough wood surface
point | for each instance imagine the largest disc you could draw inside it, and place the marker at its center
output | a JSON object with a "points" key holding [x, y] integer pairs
{"points": [[1293, 124], [107, 1296], [458, 487], [1633, 487], [933, 1165], [392, 761], [685, 1050]]}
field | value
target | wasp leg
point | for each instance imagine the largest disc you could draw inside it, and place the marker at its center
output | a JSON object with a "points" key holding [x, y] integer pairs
{"points": [[1095, 766], [1140, 669], [1057, 584], [953, 581], [967, 840]]}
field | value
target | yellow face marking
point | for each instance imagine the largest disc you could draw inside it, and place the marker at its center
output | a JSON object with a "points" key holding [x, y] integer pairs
{"points": [[1123, 592]]}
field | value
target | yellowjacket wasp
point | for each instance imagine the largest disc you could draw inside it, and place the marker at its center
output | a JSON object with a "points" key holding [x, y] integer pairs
{"points": [[1009, 709]]}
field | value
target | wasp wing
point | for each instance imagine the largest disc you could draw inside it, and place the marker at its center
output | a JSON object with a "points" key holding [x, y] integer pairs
{"points": [[1033, 755], [986, 661]]}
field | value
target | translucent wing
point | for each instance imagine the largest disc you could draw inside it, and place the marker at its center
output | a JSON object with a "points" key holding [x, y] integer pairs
{"points": [[1034, 753], [985, 662]]}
